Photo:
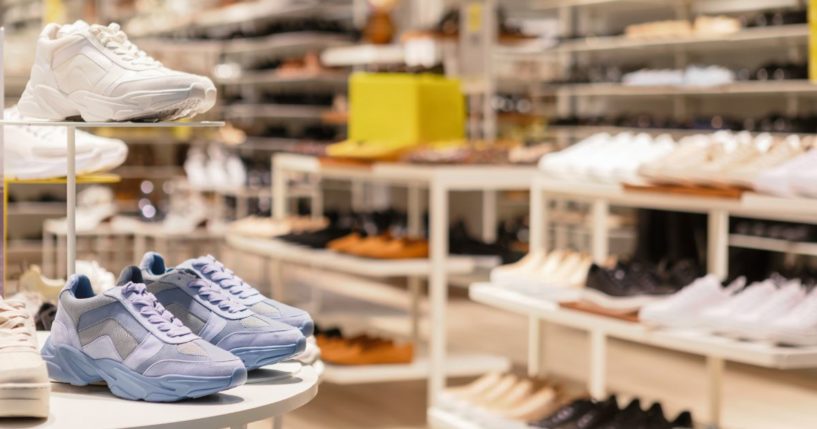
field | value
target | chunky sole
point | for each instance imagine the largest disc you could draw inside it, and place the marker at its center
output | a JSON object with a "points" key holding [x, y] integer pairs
{"points": [[256, 357], [46, 102], [24, 399], [67, 364]]}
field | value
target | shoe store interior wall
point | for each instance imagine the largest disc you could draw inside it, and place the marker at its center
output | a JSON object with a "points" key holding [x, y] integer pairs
{"points": [[463, 214]]}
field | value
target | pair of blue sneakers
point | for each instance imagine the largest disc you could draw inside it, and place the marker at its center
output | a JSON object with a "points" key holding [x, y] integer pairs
{"points": [[166, 334]]}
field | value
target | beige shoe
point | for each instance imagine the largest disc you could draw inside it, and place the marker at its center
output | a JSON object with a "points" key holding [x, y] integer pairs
{"points": [[526, 266], [475, 388], [33, 281], [496, 392], [536, 407], [520, 392], [24, 385]]}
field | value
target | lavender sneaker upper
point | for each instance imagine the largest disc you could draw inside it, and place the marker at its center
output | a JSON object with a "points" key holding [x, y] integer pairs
{"points": [[210, 312], [128, 325], [213, 270]]}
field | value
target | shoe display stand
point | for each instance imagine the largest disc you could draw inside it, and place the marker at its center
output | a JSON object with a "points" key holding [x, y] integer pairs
{"points": [[715, 349], [440, 181], [257, 400]]}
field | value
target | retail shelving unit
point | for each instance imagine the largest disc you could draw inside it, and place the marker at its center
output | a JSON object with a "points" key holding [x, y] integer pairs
{"points": [[717, 350], [439, 181]]}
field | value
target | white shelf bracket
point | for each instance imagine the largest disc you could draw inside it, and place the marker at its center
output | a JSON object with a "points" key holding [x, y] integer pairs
{"points": [[598, 364]]}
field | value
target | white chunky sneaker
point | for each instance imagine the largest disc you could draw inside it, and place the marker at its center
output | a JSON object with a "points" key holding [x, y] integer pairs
{"points": [[95, 72], [24, 385]]}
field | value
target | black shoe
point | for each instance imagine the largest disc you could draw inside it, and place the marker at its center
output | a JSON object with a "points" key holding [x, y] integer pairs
{"points": [[655, 419], [601, 414], [683, 421], [630, 417], [45, 316], [566, 414]]}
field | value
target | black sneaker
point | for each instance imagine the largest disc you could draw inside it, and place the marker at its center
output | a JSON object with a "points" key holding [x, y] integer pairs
{"points": [[683, 421], [601, 414], [630, 417], [566, 414], [655, 419]]}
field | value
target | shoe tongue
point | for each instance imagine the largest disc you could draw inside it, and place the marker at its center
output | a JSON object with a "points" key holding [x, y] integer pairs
{"points": [[72, 28]]}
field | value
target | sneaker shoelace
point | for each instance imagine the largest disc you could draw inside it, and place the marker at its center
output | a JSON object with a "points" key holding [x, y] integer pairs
{"points": [[152, 310], [113, 38], [226, 278], [216, 296], [14, 329]]}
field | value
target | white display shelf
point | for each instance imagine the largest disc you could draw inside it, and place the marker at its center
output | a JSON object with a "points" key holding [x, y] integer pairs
{"points": [[94, 407], [772, 245], [749, 205], [282, 111], [301, 40], [439, 418], [103, 124], [457, 177], [737, 88], [703, 344], [272, 79], [586, 130], [798, 32], [363, 55], [345, 263], [456, 365]]}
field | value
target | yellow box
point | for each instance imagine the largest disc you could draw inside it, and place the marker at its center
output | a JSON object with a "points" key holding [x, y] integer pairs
{"points": [[405, 108]]}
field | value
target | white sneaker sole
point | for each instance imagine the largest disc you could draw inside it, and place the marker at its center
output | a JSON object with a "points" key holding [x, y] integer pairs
{"points": [[46, 102], [24, 399]]}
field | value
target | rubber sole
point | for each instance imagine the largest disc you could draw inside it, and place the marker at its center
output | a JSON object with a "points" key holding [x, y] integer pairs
{"points": [[67, 364], [256, 357], [24, 399], [43, 101]]}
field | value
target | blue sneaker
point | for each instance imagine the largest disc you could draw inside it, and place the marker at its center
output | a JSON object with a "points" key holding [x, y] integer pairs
{"points": [[213, 270], [212, 314], [127, 339]]}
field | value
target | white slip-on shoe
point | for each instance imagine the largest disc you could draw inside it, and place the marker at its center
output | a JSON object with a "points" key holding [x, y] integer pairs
{"points": [[95, 72], [683, 309], [717, 319], [798, 327], [24, 385], [750, 325]]}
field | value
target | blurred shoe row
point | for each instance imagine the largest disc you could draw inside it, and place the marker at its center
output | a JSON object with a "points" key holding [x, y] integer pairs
{"points": [[214, 169], [338, 349], [502, 400], [558, 275], [777, 310], [702, 26], [607, 414], [606, 158], [694, 75], [772, 123]]}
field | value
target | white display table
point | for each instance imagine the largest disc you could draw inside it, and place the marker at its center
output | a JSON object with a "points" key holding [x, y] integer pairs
{"points": [[270, 392]]}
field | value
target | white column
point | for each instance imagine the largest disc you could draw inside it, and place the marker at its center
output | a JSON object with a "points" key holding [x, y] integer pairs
{"points": [[537, 364], [438, 289], [598, 364], [489, 216], [718, 243], [600, 234], [279, 191], [415, 283], [539, 225], [71, 201], [714, 369]]}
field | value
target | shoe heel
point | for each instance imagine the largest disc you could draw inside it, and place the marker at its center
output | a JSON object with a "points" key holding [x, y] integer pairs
{"points": [[68, 365]]}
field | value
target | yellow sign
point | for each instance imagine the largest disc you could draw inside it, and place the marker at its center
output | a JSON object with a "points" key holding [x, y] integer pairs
{"points": [[475, 18]]}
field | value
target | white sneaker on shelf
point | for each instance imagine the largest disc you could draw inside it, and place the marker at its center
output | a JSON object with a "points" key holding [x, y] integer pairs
{"points": [[24, 385], [684, 309], [718, 318], [236, 172], [507, 274], [194, 168], [95, 72], [777, 181], [750, 325], [798, 327]]}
